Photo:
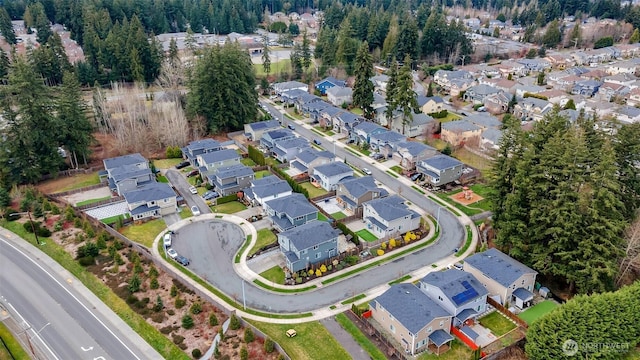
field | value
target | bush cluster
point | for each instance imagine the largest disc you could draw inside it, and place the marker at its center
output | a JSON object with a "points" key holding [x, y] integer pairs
{"points": [[174, 152], [30, 226], [256, 155]]}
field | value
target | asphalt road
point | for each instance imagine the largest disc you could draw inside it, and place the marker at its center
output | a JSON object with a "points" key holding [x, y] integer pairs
{"points": [[62, 322], [180, 183]]}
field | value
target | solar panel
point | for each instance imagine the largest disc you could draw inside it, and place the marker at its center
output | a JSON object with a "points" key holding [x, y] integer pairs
{"points": [[466, 295]]}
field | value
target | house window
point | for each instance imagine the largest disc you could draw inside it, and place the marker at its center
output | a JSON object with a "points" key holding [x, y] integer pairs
{"points": [[303, 252], [523, 282], [392, 328], [315, 247], [318, 255]]}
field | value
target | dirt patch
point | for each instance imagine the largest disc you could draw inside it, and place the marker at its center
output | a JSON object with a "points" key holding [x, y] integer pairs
{"points": [[467, 199], [99, 193]]}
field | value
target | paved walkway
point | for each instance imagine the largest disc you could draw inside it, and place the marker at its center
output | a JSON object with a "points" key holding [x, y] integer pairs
{"points": [[107, 211], [345, 339]]}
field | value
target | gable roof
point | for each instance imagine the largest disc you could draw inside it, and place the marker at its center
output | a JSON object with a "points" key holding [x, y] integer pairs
{"points": [[493, 135], [123, 160], [360, 186], [202, 144], [278, 134], [442, 162], [389, 137], [331, 80], [288, 85], [498, 266], [293, 205], [459, 125], [152, 191], [340, 91], [333, 168], [310, 234], [483, 120], [233, 171], [127, 172], [390, 208], [368, 127], [272, 187], [414, 147], [261, 125], [292, 143], [410, 306], [459, 287], [310, 154], [421, 119], [220, 155]]}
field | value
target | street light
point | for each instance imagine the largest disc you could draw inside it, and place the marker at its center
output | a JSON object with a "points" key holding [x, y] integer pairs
{"points": [[33, 228]]}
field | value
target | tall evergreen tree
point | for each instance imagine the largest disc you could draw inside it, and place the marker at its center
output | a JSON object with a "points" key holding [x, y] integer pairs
{"points": [[35, 17], [408, 39], [627, 149], [391, 90], [6, 28], [306, 51], [405, 98], [76, 133], [266, 58], [363, 87], [4, 64], [174, 56]]}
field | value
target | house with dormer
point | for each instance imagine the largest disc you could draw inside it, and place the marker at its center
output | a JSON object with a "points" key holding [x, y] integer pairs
{"points": [[290, 211], [228, 180], [440, 170], [444, 78], [197, 147], [309, 244], [351, 193], [329, 175], [408, 153], [497, 103], [339, 95], [386, 142], [284, 87], [127, 172], [389, 216], [286, 150], [265, 189], [307, 159], [328, 114], [478, 93], [150, 201], [609, 91], [345, 121], [531, 109]]}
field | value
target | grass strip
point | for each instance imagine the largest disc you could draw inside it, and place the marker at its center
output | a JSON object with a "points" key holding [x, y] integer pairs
{"points": [[353, 299], [284, 291], [318, 132], [392, 174], [150, 334], [242, 249], [92, 201], [360, 338], [378, 262], [417, 189], [112, 219], [444, 204], [15, 350], [467, 243], [399, 280], [353, 152]]}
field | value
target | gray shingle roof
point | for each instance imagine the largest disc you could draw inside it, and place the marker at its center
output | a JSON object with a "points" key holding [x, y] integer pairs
{"points": [[221, 155], [459, 286], [359, 186], [440, 337], [410, 306], [310, 234], [442, 162], [278, 134], [340, 91], [420, 119], [459, 125], [127, 172], [288, 85], [310, 154], [202, 144], [388, 137], [293, 205], [123, 160], [333, 168], [390, 208], [493, 135], [498, 266], [483, 120], [414, 147], [232, 171], [292, 143], [261, 125], [267, 180], [152, 191], [368, 127], [274, 188]]}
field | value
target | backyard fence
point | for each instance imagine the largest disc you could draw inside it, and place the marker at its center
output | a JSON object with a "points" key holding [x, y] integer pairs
{"points": [[371, 332], [75, 191], [100, 203], [507, 313]]}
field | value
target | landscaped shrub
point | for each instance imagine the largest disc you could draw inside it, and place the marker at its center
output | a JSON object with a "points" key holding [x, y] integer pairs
{"points": [[196, 308], [86, 261], [244, 354], [154, 284], [134, 284], [153, 272], [256, 155], [234, 324], [159, 304], [226, 199], [440, 114], [345, 230], [213, 319], [88, 249], [196, 353], [180, 302], [174, 291], [248, 335], [187, 322], [351, 259], [269, 345]]}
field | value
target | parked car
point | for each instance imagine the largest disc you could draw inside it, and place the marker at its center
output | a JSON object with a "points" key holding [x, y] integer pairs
{"points": [[315, 122], [193, 190], [172, 253], [317, 142], [210, 195], [182, 260], [290, 126], [195, 210], [167, 240], [193, 173], [366, 171], [378, 156], [183, 164], [416, 176]]}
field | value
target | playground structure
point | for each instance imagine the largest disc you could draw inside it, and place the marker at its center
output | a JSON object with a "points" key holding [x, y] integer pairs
{"points": [[466, 196], [466, 193]]}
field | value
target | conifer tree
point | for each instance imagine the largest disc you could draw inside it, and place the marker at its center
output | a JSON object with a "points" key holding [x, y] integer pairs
{"points": [[363, 87]]}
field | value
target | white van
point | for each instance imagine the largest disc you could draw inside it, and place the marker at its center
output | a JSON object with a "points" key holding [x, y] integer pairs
{"points": [[167, 240]]}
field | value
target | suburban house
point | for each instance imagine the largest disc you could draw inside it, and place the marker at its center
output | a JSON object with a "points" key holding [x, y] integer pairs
{"points": [[521, 90], [269, 138], [329, 175], [345, 121], [283, 87], [290, 211], [152, 200], [622, 79], [328, 114], [286, 150], [430, 105], [265, 189], [255, 130], [327, 83], [362, 132], [209, 162], [634, 97], [380, 82], [127, 172], [386, 142], [307, 159], [555, 96], [413, 319], [308, 244], [314, 109], [608, 91], [440, 169], [460, 132], [483, 120], [536, 65], [586, 87], [497, 103], [381, 117], [409, 153], [197, 147], [478, 93], [458, 292], [490, 139], [628, 114], [508, 281], [419, 124], [560, 61], [339, 95], [352, 193], [389, 216], [444, 78], [623, 67], [299, 98], [230, 179], [531, 109]]}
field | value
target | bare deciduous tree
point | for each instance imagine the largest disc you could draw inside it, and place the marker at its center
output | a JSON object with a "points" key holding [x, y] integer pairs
{"points": [[631, 260]]}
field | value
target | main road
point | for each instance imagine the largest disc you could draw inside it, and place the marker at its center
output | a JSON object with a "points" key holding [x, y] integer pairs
{"points": [[59, 316]]}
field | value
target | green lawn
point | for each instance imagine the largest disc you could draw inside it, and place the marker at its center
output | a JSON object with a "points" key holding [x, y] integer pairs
{"points": [[91, 201], [392, 173], [82, 180], [321, 217], [497, 323], [357, 111], [467, 242], [360, 338], [478, 162], [144, 233], [276, 68], [162, 179], [166, 163], [112, 219], [450, 117], [313, 191], [457, 351], [185, 212], [397, 169], [366, 235], [248, 162], [275, 274], [471, 209], [14, 350], [326, 131], [265, 237], [313, 341], [537, 311], [356, 148], [262, 173], [339, 215], [436, 143], [229, 208]]}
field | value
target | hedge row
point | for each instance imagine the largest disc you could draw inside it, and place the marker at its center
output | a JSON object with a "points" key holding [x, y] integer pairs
{"points": [[440, 114], [256, 155], [345, 230], [227, 199], [294, 185]]}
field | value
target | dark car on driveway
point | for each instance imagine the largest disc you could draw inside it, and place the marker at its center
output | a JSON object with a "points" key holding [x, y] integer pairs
{"points": [[183, 164], [182, 260], [193, 173]]}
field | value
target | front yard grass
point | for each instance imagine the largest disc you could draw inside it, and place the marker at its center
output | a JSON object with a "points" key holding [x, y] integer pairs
{"points": [[457, 351], [275, 274], [450, 117], [339, 215], [397, 169], [276, 67], [91, 201], [360, 338], [366, 235], [313, 341], [162, 179], [80, 181], [537, 311], [265, 237], [313, 191], [185, 212], [145, 233], [497, 323], [356, 148], [228, 208], [166, 163], [357, 111]]}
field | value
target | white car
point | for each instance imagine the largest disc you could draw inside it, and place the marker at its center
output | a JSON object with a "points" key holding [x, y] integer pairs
{"points": [[167, 239], [366, 171], [193, 190], [172, 253], [195, 210]]}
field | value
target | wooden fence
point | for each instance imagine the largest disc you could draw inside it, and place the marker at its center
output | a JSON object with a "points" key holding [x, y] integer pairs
{"points": [[75, 191], [100, 203], [374, 334], [507, 313]]}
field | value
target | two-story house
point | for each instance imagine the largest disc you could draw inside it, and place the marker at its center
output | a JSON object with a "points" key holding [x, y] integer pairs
{"points": [[290, 211], [431, 104], [497, 103], [150, 201], [389, 216], [308, 244], [254, 131], [380, 82], [209, 162], [460, 132], [414, 320], [507, 280], [586, 87], [440, 170], [328, 114], [345, 121], [307, 159], [418, 124], [329, 175], [409, 153], [483, 120], [339, 95], [314, 109], [197, 147], [327, 83], [283, 87], [362, 132], [269, 138], [478, 93], [230, 179], [458, 292], [531, 109], [353, 192], [609, 91], [444, 78], [265, 189], [286, 150], [385, 143], [127, 172]]}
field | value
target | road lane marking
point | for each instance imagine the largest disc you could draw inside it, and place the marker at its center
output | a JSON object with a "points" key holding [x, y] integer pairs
{"points": [[36, 333], [73, 296], [88, 349]]}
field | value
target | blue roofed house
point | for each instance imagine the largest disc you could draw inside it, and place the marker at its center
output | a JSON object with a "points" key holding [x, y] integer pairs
{"points": [[197, 147], [230, 179], [286, 150], [353, 192], [413, 319], [460, 132], [362, 132], [127, 172], [345, 121], [329, 175], [507, 280], [265, 189], [339, 95], [255, 130], [308, 244], [314, 109], [290, 211], [440, 170], [327, 83], [409, 153], [307, 159], [586, 87], [458, 292], [150, 201], [269, 139], [209, 162], [389, 216]]}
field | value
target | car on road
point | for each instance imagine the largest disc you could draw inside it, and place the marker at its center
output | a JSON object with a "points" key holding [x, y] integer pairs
{"points": [[195, 210], [366, 171], [193, 190], [182, 260], [172, 253], [183, 164], [291, 127], [193, 173], [317, 142], [167, 240]]}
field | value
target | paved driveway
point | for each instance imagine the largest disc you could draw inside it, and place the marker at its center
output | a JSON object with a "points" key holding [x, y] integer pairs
{"points": [[180, 183]]}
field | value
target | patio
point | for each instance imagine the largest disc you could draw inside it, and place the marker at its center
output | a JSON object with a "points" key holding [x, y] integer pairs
{"points": [[331, 206], [107, 211]]}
